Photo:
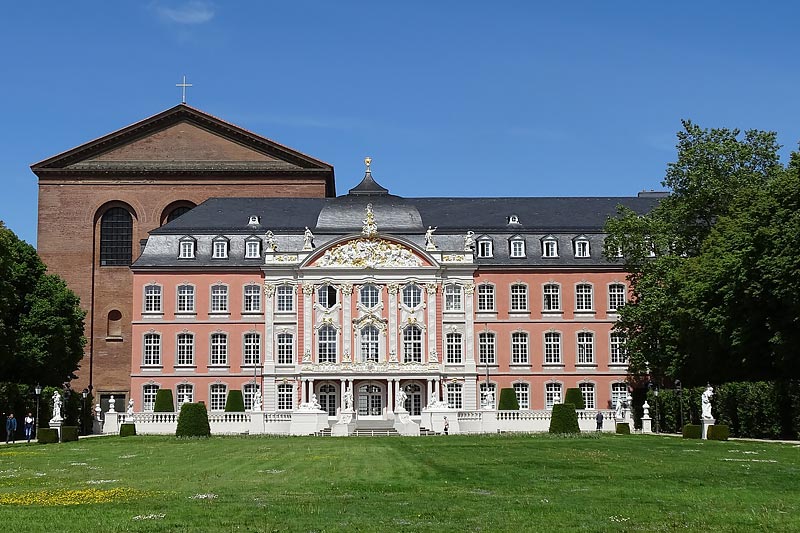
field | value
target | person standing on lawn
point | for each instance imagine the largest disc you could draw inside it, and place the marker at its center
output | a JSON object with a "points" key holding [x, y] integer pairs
{"points": [[11, 428], [29, 427]]}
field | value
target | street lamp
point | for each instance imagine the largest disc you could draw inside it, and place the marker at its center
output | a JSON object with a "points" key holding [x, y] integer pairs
{"points": [[679, 389], [84, 395], [38, 390], [655, 393]]}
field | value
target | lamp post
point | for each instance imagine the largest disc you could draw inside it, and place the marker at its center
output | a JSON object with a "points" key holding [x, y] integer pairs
{"points": [[679, 390], [38, 390], [84, 395], [655, 393]]}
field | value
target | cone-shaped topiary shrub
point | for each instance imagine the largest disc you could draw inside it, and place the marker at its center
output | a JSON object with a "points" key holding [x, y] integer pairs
{"points": [[193, 421], [574, 397], [235, 402], [564, 419], [164, 403], [508, 400], [69, 433], [127, 430], [47, 435]]}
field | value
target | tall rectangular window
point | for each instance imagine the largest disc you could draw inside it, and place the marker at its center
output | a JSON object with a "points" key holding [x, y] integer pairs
{"points": [[583, 297], [152, 299], [219, 299], [552, 297], [552, 393], [587, 391], [185, 299], [219, 349], [616, 348], [585, 348], [523, 395], [519, 297], [285, 348], [185, 394], [452, 298], [185, 355], [152, 349], [326, 352], [116, 237], [284, 296], [285, 394], [486, 349], [149, 397], [619, 392], [248, 392], [252, 299], [219, 394], [519, 348], [552, 347], [455, 395], [485, 297], [616, 296], [453, 349], [252, 249], [251, 347]]}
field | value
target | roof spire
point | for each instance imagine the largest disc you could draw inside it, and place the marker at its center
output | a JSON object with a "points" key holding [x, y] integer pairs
{"points": [[368, 162], [368, 186]]}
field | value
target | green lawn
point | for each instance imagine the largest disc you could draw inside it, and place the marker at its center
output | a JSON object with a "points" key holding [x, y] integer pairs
{"points": [[442, 484]]}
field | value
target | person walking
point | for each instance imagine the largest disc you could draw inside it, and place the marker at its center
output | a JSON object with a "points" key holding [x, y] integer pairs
{"points": [[599, 419], [11, 428], [446, 426], [29, 427]]}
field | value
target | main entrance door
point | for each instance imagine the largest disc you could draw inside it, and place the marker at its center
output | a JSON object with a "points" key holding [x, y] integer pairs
{"points": [[370, 401]]}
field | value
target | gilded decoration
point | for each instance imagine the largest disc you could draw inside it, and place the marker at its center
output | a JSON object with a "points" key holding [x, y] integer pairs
{"points": [[285, 258], [393, 288], [452, 258], [369, 253], [347, 289], [369, 367], [370, 320], [469, 288], [370, 227], [269, 289], [431, 288], [308, 288]]}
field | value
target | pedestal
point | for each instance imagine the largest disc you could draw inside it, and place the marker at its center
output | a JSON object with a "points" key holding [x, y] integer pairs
{"points": [[308, 422], [345, 425], [56, 424], [404, 425], [706, 422], [647, 424]]}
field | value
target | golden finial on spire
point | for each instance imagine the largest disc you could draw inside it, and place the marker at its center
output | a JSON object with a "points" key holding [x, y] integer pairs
{"points": [[368, 162]]}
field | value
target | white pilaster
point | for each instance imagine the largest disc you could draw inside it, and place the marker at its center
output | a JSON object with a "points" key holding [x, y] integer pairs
{"points": [[393, 311], [347, 322], [430, 289], [308, 317], [469, 328]]}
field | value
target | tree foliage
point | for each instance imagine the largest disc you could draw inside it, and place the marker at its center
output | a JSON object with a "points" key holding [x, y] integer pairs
{"points": [[41, 322], [713, 268]]}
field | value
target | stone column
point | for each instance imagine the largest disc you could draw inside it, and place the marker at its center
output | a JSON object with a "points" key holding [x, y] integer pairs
{"points": [[391, 387], [269, 328], [469, 327], [308, 318], [342, 389], [347, 323], [392, 288], [304, 390], [310, 389], [428, 391], [430, 289]]}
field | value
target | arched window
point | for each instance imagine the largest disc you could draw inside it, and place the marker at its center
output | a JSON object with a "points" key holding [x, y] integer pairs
{"points": [[116, 237], [369, 344], [114, 328], [327, 399], [178, 211]]}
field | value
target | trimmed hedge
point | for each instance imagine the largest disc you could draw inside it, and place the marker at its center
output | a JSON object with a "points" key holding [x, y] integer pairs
{"points": [[508, 400], [623, 428], [69, 433], [692, 431], [46, 435], [564, 419], [193, 421], [235, 402], [164, 402], [574, 397], [127, 430], [718, 432]]}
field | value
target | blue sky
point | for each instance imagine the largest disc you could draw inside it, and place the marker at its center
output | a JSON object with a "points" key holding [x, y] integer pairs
{"points": [[450, 98]]}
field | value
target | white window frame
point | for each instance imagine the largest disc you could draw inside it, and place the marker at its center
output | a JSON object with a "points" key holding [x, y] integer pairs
{"points": [[616, 349], [149, 392], [484, 248], [523, 392], [185, 300], [153, 298], [219, 298], [517, 248], [184, 393], [218, 349], [453, 299], [284, 348], [369, 296], [252, 249], [248, 391], [519, 347], [325, 293], [519, 297], [551, 299], [454, 348], [487, 348], [369, 343], [284, 298], [589, 393], [412, 344], [549, 248], [251, 348], [251, 301], [552, 348], [486, 297], [330, 344], [285, 398], [151, 349], [219, 249], [187, 247], [619, 390], [412, 296], [482, 393], [550, 390], [184, 351], [455, 395], [584, 342], [617, 296], [582, 248], [584, 297], [217, 396]]}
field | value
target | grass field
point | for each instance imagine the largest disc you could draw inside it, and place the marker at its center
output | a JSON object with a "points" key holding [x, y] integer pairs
{"points": [[442, 484]]}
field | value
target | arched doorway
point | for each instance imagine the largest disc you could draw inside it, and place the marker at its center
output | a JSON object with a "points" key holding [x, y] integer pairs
{"points": [[371, 400], [327, 398], [413, 399]]}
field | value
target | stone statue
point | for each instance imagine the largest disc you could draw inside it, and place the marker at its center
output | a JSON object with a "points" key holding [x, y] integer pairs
{"points": [[56, 407], [112, 405], [618, 409], [98, 412], [314, 402], [129, 412], [256, 402], [469, 241], [348, 400], [429, 244], [646, 409], [400, 404], [488, 402], [308, 239], [269, 242], [556, 398], [705, 400]]}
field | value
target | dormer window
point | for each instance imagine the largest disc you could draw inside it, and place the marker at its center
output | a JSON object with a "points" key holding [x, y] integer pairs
{"points": [[517, 247], [485, 248], [220, 249], [549, 247], [513, 219], [187, 248], [254, 220], [581, 246], [252, 248]]}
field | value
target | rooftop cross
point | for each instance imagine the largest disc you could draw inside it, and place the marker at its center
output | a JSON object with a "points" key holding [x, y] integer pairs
{"points": [[183, 87]]}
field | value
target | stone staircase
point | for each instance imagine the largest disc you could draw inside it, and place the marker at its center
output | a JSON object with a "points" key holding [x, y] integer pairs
{"points": [[376, 428]]}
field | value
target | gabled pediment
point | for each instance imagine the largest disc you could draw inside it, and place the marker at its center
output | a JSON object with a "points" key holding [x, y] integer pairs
{"points": [[369, 252], [182, 139]]}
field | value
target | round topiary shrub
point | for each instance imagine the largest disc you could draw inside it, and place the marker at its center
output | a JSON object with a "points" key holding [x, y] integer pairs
{"points": [[164, 402], [193, 421], [564, 419], [718, 432], [69, 433], [234, 403], [127, 430], [623, 428], [574, 397], [47, 435], [508, 400], [692, 431]]}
